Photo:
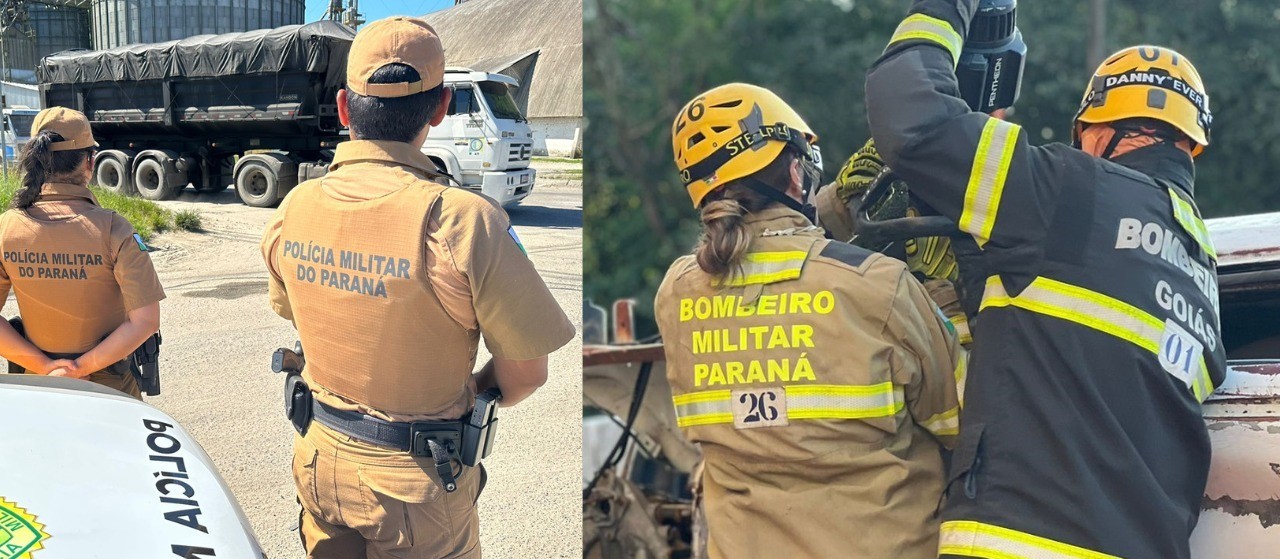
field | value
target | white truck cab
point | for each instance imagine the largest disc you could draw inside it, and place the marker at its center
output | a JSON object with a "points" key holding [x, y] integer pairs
{"points": [[17, 129], [484, 141], [89, 472]]}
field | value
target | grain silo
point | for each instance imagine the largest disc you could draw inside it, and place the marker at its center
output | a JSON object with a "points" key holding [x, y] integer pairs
{"points": [[18, 50], [58, 28], [123, 22]]}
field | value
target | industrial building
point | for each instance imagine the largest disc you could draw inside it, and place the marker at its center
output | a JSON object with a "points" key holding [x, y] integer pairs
{"points": [[33, 29], [539, 44]]}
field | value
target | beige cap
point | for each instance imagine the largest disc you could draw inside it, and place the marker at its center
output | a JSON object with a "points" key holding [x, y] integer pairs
{"points": [[403, 40], [71, 124]]}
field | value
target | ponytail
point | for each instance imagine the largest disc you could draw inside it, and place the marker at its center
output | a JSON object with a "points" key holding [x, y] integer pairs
{"points": [[38, 164], [725, 238], [724, 234]]}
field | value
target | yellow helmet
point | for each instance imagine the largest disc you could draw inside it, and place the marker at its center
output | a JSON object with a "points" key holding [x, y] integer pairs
{"points": [[1148, 82], [731, 132]]}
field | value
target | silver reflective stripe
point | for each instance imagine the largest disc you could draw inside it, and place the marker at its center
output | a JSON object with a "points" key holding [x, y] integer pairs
{"points": [[991, 164], [976, 539], [808, 401], [759, 268], [923, 27]]}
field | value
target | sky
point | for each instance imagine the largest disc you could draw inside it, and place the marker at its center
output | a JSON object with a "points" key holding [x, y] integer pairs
{"points": [[373, 10]]}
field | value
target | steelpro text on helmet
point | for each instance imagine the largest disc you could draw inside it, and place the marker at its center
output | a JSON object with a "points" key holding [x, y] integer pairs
{"points": [[991, 63]]}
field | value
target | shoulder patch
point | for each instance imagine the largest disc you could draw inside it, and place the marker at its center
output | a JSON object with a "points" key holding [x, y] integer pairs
{"points": [[845, 252], [512, 231]]}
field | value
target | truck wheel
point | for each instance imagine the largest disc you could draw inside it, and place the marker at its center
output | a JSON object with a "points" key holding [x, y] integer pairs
{"points": [[151, 182], [257, 185], [110, 175]]}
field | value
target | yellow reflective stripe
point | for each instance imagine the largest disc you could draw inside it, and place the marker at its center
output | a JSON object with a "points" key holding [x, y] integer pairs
{"points": [[809, 401], [1186, 216], [986, 179], [976, 539], [768, 267], [835, 401], [702, 408], [1095, 310], [962, 374], [920, 26], [944, 424], [961, 322]]}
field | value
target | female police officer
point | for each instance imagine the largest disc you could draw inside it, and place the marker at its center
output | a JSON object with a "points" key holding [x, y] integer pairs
{"points": [[817, 376], [82, 277]]}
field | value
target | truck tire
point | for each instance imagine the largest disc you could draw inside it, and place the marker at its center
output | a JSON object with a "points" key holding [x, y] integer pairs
{"points": [[112, 176], [257, 185], [151, 181]]}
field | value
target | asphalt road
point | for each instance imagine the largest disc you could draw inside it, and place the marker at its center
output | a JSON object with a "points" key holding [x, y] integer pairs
{"points": [[219, 334]]}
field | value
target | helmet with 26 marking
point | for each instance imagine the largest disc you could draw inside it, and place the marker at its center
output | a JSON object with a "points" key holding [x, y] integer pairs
{"points": [[1148, 82], [733, 131]]}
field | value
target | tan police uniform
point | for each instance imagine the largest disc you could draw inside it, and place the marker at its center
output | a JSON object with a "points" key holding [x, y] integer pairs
{"points": [[75, 267], [819, 382], [391, 279]]}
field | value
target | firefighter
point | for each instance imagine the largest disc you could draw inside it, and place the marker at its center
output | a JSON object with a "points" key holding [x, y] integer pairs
{"points": [[87, 293], [392, 277], [1099, 334], [817, 376]]}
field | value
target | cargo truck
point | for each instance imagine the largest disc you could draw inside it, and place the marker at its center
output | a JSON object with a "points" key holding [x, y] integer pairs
{"points": [[257, 110]]}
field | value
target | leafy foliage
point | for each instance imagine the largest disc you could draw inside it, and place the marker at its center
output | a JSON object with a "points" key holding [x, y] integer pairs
{"points": [[645, 58]]}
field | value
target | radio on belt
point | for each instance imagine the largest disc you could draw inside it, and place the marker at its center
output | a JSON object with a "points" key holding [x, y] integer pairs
{"points": [[478, 427]]}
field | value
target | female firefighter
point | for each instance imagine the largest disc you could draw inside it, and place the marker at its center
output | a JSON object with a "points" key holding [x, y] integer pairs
{"points": [[87, 293], [818, 377]]}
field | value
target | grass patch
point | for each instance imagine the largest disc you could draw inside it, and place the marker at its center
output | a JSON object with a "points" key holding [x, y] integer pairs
{"points": [[147, 217], [187, 220], [557, 160]]}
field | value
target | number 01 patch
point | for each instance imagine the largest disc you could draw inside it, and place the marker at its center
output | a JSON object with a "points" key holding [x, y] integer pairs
{"points": [[759, 407], [1179, 352]]}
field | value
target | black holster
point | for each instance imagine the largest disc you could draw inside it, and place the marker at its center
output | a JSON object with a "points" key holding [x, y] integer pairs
{"points": [[144, 365], [297, 394], [479, 427]]}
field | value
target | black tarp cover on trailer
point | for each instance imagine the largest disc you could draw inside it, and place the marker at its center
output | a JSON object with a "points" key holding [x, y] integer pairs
{"points": [[319, 47]]}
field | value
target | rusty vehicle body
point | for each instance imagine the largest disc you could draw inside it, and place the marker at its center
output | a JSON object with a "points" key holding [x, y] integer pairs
{"points": [[1241, 512], [630, 513]]}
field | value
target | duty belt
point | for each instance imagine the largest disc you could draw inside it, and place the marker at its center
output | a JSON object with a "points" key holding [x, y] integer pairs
{"points": [[440, 440], [468, 439]]}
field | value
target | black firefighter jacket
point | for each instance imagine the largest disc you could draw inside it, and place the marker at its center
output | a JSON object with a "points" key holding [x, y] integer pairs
{"points": [[1098, 337]]}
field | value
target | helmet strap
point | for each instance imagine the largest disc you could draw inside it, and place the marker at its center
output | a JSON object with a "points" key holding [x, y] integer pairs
{"points": [[1117, 136], [765, 189]]}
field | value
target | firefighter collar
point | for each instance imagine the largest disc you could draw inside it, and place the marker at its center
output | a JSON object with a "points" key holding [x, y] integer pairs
{"points": [[381, 151], [777, 217], [66, 191], [1162, 162]]}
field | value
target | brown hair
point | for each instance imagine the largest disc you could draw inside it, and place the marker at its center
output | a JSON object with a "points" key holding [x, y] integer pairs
{"points": [[724, 239], [38, 165]]}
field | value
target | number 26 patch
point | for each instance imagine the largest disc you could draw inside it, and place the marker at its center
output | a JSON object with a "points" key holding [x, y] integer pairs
{"points": [[1180, 352], [759, 407]]}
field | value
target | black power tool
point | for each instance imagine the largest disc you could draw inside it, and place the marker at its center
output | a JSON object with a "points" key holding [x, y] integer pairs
{"points": [[991, 63]]}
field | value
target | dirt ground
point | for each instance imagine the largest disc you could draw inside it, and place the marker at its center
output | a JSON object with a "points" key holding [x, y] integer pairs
{"points": [[219, 334]]}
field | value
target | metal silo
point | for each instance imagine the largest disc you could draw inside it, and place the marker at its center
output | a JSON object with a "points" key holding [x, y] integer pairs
{"points": [[123, 22], [58, 28], [19, 54]]}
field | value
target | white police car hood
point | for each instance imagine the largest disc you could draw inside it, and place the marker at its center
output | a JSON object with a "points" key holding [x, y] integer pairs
{"points": [[86, 472]]}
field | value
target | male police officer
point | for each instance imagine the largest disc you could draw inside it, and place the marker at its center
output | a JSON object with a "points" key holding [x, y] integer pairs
{"points": [[391, 277], [1098, 337]]}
